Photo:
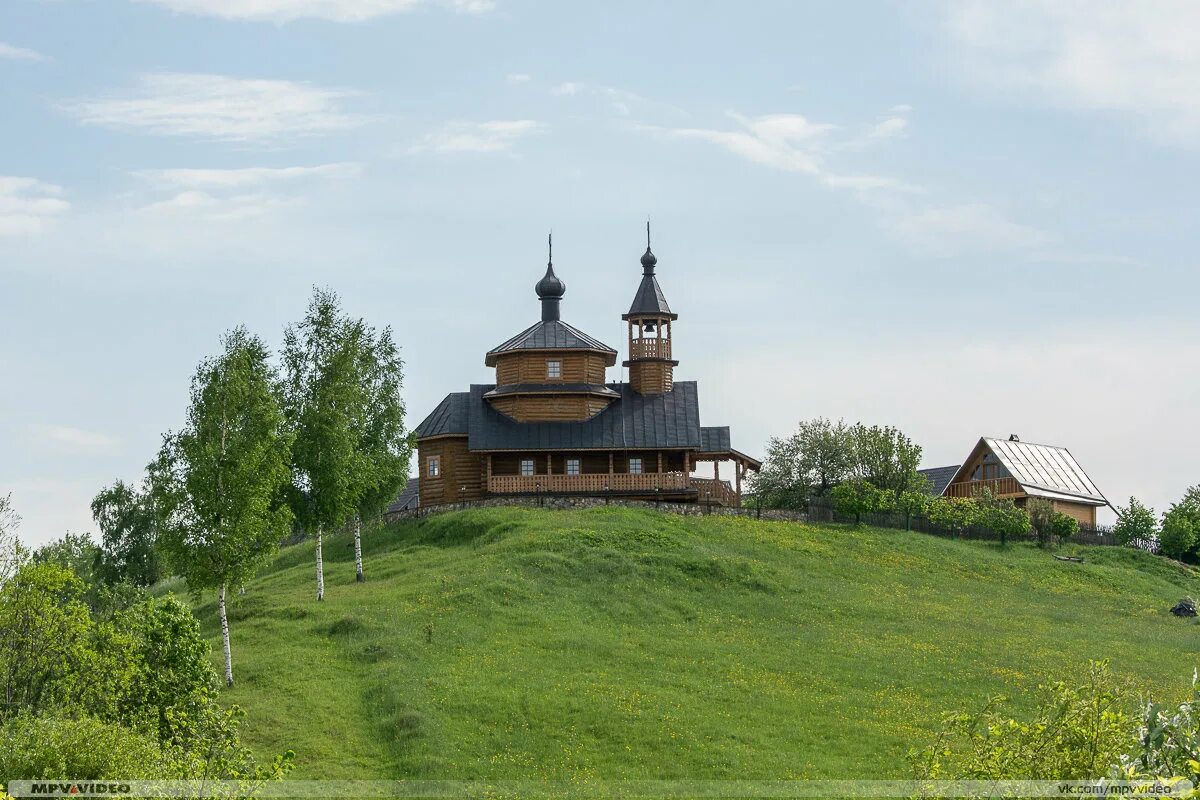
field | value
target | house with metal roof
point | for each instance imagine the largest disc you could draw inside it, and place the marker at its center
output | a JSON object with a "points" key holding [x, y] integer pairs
{"points": [[1010, 468], [553, 424]]}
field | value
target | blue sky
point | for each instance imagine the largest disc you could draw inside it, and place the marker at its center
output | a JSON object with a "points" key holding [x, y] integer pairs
{"points": [[962, 219]]}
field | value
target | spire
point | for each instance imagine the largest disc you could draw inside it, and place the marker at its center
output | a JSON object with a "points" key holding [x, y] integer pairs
{"points": [[550, 289], [648, 258]]}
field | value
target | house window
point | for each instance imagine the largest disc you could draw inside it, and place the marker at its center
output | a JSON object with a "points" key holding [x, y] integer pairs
{"points": [[553, 369], [526, 466], [572, 466], [435, 466], [635, 466]]}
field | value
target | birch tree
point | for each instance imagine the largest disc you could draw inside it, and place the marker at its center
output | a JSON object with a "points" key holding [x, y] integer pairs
{"points": [[11, 552], [218, 484], [326, 396], [382, 440]]}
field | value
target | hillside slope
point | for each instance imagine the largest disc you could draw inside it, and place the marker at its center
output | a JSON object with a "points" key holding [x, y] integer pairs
{"points": [[621, 644]]}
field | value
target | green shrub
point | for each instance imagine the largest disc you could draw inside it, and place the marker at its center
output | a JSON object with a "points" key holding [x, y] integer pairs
{"points": [[1001, 516], [1135, 523], [1077, 731], [953, 513], [1177, 537], [1168, 742], [858, 497]]}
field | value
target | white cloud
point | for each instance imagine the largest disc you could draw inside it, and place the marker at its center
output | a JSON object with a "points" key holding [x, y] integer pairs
{"points": [[236, 194], [567, 89], [74, 440], [952, 230], [331, 10], [218, 107], [14, 53], [28, 205], [497, 136], [1141, 60], [887, 128], [517, 77]]}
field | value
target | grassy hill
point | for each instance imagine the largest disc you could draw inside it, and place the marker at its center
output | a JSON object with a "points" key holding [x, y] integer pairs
{"points": [[623, 644]]}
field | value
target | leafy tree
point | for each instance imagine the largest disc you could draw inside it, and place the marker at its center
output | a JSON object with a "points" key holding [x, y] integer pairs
{"points": [[1135, 523], [75, 551], [887, 458], [809, 463], [1048, 523], [860, 497], [83, 748], [1184, 515], [128, 530], [217, 483], [1177, 536], [11, 551], [45, 634], [1001, 515], [912, 503], [955, 514], [382, 440], [327, 358]]}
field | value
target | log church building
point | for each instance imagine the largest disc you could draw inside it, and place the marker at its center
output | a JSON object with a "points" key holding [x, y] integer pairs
{"points": [[553, 424]]}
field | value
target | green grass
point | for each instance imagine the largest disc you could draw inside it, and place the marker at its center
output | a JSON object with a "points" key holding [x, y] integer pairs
{"points": [[624, 644]]}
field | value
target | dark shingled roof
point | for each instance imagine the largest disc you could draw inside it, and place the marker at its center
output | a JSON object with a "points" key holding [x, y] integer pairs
{"points": [[939, 478], [714, 440], [407, 499], [551, 335], [449, 417], [649, 300], [634, 421]]}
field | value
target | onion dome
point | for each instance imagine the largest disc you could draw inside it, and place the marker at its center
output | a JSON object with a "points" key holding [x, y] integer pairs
{"points": [[550, 289], [649, 260]]}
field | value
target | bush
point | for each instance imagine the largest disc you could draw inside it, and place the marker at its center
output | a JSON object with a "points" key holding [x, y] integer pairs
{"points": [[858, 497], [33, 748], [1048, 523], [1001, 516], [1177, 537], [1076, 732], [1168, 742], [953, 513], [1135, 523]]}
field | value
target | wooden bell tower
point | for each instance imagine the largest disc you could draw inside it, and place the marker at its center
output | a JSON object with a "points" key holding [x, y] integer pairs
{"points": [[651, 367]]}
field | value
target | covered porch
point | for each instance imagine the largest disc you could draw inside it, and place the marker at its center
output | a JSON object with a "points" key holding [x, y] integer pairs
{"points": [[641, 474]]}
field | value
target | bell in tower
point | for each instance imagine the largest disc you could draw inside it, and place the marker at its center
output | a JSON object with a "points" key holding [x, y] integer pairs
{"points": [[651, 368]]}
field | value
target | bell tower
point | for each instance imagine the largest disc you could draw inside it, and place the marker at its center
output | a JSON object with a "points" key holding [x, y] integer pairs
{"points": [[651, 368]]}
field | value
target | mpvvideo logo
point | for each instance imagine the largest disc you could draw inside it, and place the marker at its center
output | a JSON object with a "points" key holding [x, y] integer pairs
{"points": [[37, 789]]}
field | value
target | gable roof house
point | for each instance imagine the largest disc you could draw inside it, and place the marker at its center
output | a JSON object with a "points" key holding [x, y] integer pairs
{"points": [[552, 424], [1018, 470]]}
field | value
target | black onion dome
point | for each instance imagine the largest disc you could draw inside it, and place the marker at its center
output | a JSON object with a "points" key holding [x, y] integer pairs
{"points": [[550, 286], [649, 260]]}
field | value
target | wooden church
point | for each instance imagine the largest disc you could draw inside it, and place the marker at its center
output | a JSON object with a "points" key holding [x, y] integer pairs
{"points": [[552, 423]]}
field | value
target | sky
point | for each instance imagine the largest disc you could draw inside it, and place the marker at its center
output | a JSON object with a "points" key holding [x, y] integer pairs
{"points": [[962, 219]]}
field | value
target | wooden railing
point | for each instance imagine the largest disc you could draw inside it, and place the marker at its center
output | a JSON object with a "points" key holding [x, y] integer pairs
{"points": [[598, 482], [716, 491], [1001, 487], [650, 348]]}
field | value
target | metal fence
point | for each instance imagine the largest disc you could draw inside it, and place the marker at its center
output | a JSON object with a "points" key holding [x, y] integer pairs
{"points": [[824, 510]]}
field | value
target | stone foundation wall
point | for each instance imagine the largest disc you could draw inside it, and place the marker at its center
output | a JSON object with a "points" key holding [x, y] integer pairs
{"points": [[566, 503]]}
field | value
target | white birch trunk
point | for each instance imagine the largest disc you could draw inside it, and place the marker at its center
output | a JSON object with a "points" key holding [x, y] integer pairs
{"points": [[225, 638], [358, 572], [320, 567]]}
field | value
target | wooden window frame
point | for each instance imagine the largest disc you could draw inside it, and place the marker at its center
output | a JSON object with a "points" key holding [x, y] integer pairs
{"points": [[433, 466], [575, 463], [641, 467], [532, 467], [554, 369]]}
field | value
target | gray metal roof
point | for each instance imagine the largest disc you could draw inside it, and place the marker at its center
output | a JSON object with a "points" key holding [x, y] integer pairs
{"points": [[408, 497], [939, 478], [649, 299], [714, 440], [549, 335], [1045, 468]]}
